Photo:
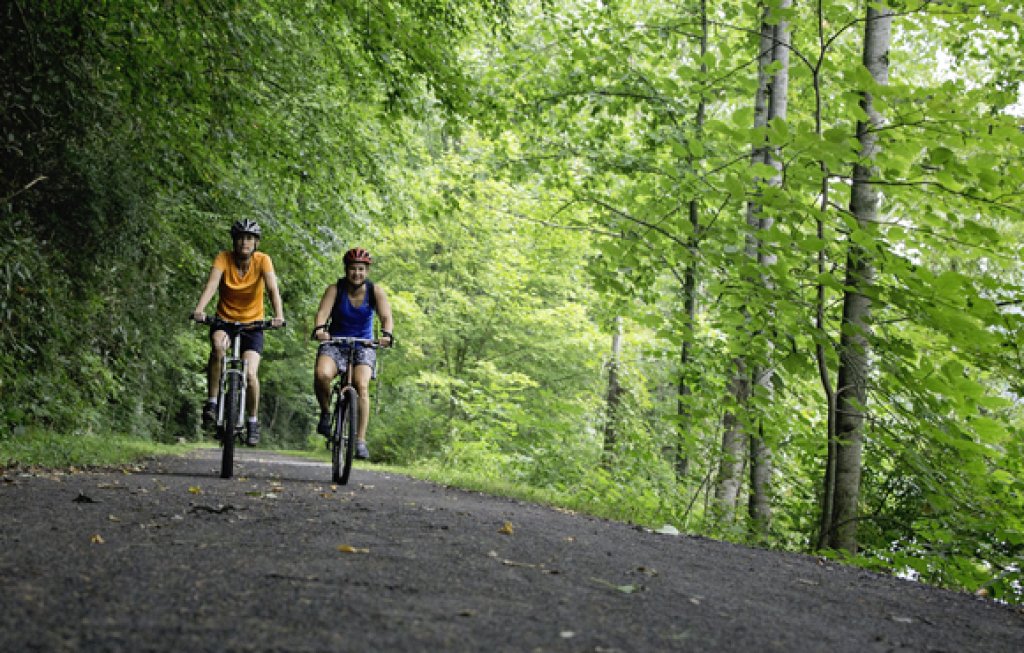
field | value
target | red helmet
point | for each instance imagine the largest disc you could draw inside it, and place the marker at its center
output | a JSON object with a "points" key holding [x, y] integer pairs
{"points": [[358, 255]]}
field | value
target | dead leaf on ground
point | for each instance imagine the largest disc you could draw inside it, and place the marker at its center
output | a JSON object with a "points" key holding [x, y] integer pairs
{"points": [[506, 529], [82, 498], [625, 589], [348, 548], [97, 539], [195, 489]]}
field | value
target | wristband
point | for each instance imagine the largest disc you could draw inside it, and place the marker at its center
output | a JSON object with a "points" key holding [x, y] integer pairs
{"points": [[317, 328]]}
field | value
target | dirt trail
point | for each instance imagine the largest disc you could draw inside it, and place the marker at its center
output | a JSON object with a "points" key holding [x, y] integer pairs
{"points": [[172, 558]]}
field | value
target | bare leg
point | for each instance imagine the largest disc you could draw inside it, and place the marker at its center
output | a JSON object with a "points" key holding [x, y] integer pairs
{"points": [[252, 380], [326, 370], [361, 381], [218, 347]]}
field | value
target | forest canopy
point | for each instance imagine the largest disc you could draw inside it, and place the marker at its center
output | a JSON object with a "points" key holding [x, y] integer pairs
{"points": [[750, 269]]}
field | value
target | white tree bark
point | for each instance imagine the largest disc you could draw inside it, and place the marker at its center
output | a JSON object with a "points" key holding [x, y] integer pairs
{"points": [[854, 345]]}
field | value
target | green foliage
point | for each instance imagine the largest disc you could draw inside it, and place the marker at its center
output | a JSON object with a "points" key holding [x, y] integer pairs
{"points": [[526, 173]]}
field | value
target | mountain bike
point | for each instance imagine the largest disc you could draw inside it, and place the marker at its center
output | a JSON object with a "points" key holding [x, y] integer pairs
{"points": [[345, 411], [233, 384]]}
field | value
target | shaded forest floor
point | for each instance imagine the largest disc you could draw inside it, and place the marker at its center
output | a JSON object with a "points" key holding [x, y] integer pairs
{"points": [[169, 557]]}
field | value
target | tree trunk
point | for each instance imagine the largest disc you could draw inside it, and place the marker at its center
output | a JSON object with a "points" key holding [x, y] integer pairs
{"points": [[611, 435], [682, 462], [730, 469], [854, 344], [770, 103]]}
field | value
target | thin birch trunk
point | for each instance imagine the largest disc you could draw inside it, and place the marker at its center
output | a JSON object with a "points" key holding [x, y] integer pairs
{"points": [[690, 279], [611, 435], [777, 37], [730, 469], [734, 434], [854, 345]]}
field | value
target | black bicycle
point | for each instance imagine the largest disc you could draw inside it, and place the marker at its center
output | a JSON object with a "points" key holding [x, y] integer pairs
{"points": [[345, 411], [233, 384]]}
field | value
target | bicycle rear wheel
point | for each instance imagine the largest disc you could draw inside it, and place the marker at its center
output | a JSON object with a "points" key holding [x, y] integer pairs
{"points": [[227, 427], [343, 435]]}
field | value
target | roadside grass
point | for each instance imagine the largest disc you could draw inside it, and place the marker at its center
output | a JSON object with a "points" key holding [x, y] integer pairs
{"points": [[41, 448], [49, 450], [474, 482]]}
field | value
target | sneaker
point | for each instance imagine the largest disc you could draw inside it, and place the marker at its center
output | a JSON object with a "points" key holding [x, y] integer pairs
{"points": [[252, 428], [323, 427], [362, 453], [209, 414]]}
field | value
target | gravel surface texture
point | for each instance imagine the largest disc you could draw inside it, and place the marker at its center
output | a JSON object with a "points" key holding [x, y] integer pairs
{"points": [[169, 557]]}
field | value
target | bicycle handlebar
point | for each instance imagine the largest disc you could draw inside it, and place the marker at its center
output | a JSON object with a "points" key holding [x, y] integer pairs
{"points": [[258, 325], [346, 340]]}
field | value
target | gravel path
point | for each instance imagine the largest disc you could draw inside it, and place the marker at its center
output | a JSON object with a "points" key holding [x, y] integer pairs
{"points": [[169, 557]]}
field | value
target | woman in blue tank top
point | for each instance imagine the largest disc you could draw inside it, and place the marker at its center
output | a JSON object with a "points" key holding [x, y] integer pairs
{"points": [[346, 310]]}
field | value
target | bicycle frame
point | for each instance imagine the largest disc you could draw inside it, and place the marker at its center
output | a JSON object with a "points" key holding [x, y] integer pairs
{"points": [[233, 365], [345, 408], [233, 386]]}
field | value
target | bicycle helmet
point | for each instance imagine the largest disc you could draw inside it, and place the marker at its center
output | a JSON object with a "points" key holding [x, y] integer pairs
{"points": [[358, 255], [245, 226]]}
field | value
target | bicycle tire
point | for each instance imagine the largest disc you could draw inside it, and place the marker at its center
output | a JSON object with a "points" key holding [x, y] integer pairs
{"points": [[343, 432], [227, 436]]}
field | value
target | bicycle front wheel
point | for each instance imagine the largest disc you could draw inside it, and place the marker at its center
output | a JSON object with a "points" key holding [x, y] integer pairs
{"points": [[343, 435], [232, 396]]}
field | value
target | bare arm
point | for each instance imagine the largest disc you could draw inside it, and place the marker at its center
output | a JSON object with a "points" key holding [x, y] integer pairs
{"points": [[384, 312], [324, 312], [270, 279], [208, 292]]}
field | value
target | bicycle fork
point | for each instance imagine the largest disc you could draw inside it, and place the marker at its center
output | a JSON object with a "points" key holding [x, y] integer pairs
{"points": [[235, 366]]}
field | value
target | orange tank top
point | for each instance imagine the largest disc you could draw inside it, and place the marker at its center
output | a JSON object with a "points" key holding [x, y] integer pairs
{"points": [[240, 297]]}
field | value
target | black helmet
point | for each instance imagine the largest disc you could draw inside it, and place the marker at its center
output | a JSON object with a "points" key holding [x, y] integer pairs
{"points": [[245, 226]]}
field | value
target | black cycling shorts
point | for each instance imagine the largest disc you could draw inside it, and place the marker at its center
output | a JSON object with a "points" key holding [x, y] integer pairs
{"points": [[251, 340]]}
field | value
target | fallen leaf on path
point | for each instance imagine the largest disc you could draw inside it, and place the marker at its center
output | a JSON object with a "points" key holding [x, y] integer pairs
{"points": [[113, 518], [82, 498], [506, 529], [347, 548], [667, 529], [97, 539], [567, 634], [625, 589], [195, 489]]}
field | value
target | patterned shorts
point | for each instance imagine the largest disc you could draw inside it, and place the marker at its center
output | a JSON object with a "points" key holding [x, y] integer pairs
{"points": [[339, 354]]}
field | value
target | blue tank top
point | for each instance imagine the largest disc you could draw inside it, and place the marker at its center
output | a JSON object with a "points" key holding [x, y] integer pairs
{"points": [[349, 321]]}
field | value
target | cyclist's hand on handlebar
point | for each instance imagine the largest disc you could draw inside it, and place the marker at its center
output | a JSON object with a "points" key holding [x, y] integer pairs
{"points": [[199, 316], [277, 322]]}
